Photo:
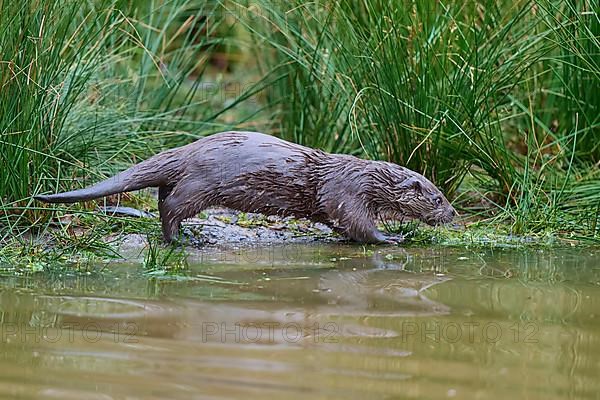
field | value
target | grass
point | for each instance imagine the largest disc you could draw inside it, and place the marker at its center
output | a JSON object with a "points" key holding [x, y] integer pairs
{"points": [[159, 260], [496, 101], [90, 89], [500, 93]]}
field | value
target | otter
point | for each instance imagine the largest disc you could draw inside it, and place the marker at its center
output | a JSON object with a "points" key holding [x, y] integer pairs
{"points": [[255, 172]]}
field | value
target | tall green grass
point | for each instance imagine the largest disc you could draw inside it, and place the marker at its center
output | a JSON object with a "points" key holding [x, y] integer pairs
{"points": [[87, 88], [496, 101], [502, 93]]}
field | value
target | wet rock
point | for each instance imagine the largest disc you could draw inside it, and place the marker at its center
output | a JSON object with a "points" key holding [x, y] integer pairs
{"points": [[222, 226], [131, 244]]}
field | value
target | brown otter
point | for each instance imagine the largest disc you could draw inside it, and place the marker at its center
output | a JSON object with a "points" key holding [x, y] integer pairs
{"points": [[254, 172]]}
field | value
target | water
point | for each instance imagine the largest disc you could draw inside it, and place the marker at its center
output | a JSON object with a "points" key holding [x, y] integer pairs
{"points": [[327, 322]]}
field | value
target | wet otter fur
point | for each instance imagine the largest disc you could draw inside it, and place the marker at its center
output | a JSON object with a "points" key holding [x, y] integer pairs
{"points": [[254, 172]]}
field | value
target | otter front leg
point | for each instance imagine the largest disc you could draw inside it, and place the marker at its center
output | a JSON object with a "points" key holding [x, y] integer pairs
{"points": [[365, 234], [368, 236], [361, 228], [354, 220]]}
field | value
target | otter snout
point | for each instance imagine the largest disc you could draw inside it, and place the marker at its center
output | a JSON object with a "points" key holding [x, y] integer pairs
{"points": [[450, 214], [442, 216]]}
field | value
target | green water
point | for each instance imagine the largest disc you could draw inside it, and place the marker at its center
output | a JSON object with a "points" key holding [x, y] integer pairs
{"points": [[323, 322]]}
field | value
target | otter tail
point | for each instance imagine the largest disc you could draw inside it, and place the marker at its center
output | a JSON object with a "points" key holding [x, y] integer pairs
{"points": [[156, 171]]}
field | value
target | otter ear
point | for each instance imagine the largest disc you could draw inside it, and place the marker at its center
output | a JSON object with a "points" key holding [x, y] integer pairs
{"points": [[411, 183]]}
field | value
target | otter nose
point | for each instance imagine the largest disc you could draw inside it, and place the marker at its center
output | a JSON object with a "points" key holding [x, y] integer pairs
{"points": [[451, 213]]}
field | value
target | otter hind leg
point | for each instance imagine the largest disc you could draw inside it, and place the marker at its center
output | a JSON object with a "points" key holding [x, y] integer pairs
{"points": [[163, 193], [174, 206], [165, 216]]}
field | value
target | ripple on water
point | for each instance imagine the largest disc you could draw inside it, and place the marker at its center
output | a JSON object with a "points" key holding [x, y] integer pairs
{"points": [[352, 342]]}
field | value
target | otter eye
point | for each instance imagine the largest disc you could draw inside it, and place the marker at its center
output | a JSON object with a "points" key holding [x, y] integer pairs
{"points": [[438, 201]]}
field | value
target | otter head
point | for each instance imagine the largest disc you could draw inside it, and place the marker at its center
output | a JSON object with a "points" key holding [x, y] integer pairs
{"points": [[414, 196]]}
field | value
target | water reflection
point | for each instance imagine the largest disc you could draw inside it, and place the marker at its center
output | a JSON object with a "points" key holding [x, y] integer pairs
{"points": [[331, 322]]}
